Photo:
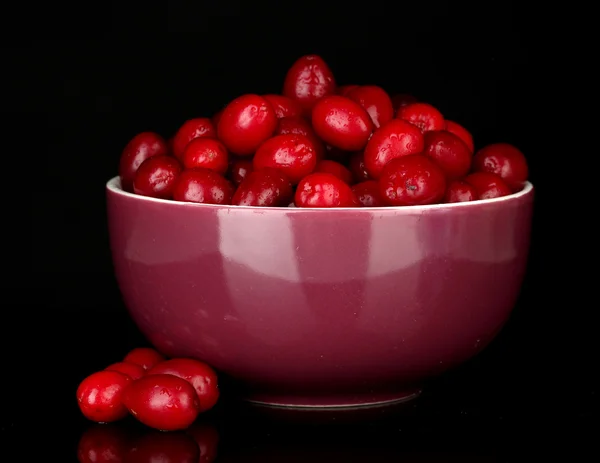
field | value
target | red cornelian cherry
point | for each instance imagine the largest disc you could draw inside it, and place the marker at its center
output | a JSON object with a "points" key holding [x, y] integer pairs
{"points": [[344, 89], [335, 168], [342, 123], [292, 154], [246, 123], [357, 167], [284, 106], [163, 402], [146, 357], [412, 180], [141, 147], [200, 127], [267, 187], [301, 126], [239, 170], [459, 191], [449, 152], [156, 177], [423, 115], [488, 185], [504, 160], [208, 153], [202, 186], [402, 99], [99, 396], [367, 193], [395, 139], [375, 100], [200, 375], [324, 190], [461, 132], [132, 370], [308, 80]]}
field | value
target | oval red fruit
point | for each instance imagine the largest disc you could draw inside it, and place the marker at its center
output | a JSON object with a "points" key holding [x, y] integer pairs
{"points": [[202, 186], [300, 126], [335, 168], [375, 101], [246, 122], [412, 180], [239, 170], [395, 139], [156, 177], [488, 185], [267, 187], [284, 106], [146, 357], [200, 375], [132, 370], [449, 152], [99, 396], [460, 132], [141, 147], [324, 190], [342, 123], [208, 153], [163, 402], [292, 154], [367, 193], [199, 127], [309, 79], [504, 160], [460, 192], [423, 115]]}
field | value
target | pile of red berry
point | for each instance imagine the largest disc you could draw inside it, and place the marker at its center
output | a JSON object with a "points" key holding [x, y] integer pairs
{"points": [[164, 394], [320, 145]]}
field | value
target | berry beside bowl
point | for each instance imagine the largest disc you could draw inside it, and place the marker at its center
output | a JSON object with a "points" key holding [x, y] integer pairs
{"points": [[336, 250]]}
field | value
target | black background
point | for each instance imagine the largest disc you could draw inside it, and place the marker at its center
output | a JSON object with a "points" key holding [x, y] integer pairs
{"points": [[74, 91]]}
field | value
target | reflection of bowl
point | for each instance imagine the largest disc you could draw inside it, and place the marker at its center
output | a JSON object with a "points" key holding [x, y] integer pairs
{"points": [[313, 307]]}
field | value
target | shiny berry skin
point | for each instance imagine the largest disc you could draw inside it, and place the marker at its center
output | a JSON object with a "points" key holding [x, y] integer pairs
{"points": [[357, 167], [267, 187], [100, 395], [163, 402], [200, 375], [412, 180], [301, 126], [342, 123], [449, 152], [309, 79], [367, 193], [200, 127], [459, 192], [293, 154], [132, 370], [160, 447], [102, 444], [246, 122], [402, 99], [461, 132], [284, 106], [146, 357], [156, 177], [239, 170], [395, 139], [324, 190], [141, 147], [208, 153], [504, 160], [488, 185], [423, 115], [202, 186], [375, 101], [344, 89], [335, 168]]}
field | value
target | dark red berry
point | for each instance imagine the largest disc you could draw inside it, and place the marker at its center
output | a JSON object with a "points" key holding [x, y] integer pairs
{"points": [[202, 186], [301, 126], [141, 147], [156, 177], [488, 185], [284, 106], [423, 115], [200, 127], [146, 357], [267, 187], [99, 396], [367, 193], [460, 192], [324, 190], [292, 154], [449, 152], [132, 370], [375, 101], [460, 132], [335, 168], [504, 160], [208, 153]]}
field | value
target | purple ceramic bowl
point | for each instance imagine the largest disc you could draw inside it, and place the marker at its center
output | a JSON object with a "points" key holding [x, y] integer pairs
{"points": [[321, 307]]}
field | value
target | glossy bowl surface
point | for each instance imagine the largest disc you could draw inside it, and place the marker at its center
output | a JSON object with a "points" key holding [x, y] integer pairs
{"points": [[321, 308]]}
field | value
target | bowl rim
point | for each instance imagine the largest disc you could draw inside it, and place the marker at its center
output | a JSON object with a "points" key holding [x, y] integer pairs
{"points": [[114, 186]]}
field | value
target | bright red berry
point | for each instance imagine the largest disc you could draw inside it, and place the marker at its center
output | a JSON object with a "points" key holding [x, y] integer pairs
{"points": [[267, 187], [335, 168], [284, 106], [99, 396], [460, 192], [460, 132], [141, 147], [367, 193], [202, 186], [132, 370], [423, 115], [324, 190], [208, 153], [412, 180], [156, 177], [488, 185], [293, 154], [449, 152], [300, 126], [200, 127], [146, 357], [504, 160], [342, 123], [375, 101]]}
